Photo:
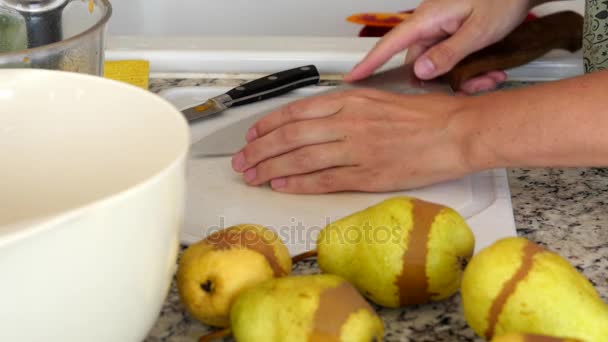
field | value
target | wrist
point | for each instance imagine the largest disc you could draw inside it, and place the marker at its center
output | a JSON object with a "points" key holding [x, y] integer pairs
{"points": [[476, 147]]}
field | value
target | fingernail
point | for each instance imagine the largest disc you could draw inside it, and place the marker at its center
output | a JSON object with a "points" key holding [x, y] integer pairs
{"points": [[252, 134], [278, 183], [424, 67], [238, 162], [349, 76], [250, 175]]}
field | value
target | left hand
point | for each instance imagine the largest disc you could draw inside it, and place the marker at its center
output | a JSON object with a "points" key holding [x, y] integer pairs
{"points": [[360, 140], [441, 33]]}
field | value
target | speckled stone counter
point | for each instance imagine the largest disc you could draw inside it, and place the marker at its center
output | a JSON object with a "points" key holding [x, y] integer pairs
{"points": [[565, 210]]}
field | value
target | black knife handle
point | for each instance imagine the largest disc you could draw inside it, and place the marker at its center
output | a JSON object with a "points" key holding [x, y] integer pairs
{"points": [[274, 85]]}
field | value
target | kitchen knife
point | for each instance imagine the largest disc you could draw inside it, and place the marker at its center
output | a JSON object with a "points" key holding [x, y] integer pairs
{"points": [[254, 91], [531, 40]]}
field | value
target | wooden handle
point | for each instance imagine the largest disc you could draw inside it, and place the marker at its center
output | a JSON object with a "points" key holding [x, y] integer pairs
{"points": [[529, 41]]}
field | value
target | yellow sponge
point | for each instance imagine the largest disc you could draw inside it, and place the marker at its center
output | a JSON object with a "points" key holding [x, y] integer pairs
{"points": [[135, 72]]}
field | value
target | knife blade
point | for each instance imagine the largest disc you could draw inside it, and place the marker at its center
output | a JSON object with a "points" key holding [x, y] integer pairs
{"points": [[529, 41], [257, 90]]}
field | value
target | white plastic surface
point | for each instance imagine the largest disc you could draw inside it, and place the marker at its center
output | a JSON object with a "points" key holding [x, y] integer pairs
{"points": [[218, 198]]}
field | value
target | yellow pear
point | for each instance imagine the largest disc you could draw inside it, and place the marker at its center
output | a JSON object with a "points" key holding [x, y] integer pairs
{"points": [[311, 308], [515, 285], [515, 337], [212, 272], [400, 252]]}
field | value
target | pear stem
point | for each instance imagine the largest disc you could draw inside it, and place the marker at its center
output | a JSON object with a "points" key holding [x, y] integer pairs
{"points": [[304, 256], [216, 335]]}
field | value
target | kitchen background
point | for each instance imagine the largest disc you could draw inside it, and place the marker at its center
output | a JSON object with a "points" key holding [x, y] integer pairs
{"points": [[258, 18], [187, 38], [185, 42]]}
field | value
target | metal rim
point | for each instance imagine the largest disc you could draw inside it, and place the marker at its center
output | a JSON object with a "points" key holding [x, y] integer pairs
{"points": [[37, 8], [59, 44]]}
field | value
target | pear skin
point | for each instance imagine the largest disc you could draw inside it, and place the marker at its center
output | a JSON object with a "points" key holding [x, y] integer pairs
{"points": [[400, 252], [515, 285], [515, 337], [212, 272], [312, 308]]}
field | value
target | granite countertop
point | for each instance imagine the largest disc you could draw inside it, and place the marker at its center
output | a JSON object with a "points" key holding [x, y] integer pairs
{"points": [[565, 210]]}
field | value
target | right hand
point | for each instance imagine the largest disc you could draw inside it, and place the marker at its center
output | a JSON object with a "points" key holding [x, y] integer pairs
{"points": [[440, 33]]}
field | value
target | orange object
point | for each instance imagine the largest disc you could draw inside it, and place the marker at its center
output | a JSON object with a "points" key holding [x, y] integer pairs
{"points": [[379, 23], [378, 19]]}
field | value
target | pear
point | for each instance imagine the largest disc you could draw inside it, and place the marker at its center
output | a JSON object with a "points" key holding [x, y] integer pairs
{"points": [[309, 308], [515, 337], [212, 272], [515, 285], [399, 252]]}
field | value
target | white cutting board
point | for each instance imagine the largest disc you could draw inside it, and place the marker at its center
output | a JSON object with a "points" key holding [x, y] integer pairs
{"points": [[218, 198]]}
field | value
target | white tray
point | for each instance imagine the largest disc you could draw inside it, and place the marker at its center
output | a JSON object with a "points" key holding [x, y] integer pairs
{"points": [[218, 198]]}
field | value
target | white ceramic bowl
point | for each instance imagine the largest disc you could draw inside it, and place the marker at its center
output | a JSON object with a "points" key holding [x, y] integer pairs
{"points": [[91, 204]]}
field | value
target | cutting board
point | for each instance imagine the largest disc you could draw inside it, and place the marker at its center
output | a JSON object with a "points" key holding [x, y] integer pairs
{"points": [[217, 197]]}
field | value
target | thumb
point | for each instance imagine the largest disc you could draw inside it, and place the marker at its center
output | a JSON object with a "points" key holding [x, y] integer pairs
{"points": [[442, 57]]}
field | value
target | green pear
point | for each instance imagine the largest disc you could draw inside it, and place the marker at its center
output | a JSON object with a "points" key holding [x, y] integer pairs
{"points": [[402, 251], [212, 272], [312, 308], [516, 286]]}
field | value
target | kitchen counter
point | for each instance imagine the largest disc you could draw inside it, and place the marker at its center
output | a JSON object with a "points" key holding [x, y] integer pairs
{"points": [[562, 209]]}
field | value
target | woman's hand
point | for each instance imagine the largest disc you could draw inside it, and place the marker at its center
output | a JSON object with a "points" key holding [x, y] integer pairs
{"points": [[360, 140], [441, 33], [374, 141], [367, 140]]}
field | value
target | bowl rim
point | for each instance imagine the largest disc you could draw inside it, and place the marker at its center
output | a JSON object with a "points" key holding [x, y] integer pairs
{"points": [[31, 226], [66, 42]]}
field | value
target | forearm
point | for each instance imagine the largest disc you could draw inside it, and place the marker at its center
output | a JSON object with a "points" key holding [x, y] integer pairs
{"points": [[557, 124]]}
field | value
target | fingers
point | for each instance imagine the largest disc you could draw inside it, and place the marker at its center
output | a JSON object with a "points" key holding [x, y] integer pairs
{"points": [[499, 76], [445, 55], [306, 109], [281, 132], [486, 82], [301, 161], [285, 139], [413, 52], [398, 39], [327, 181]]}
